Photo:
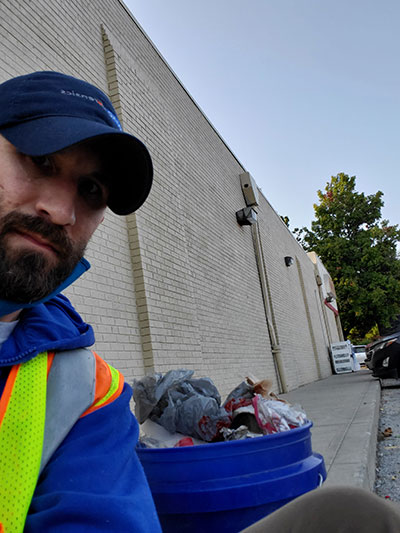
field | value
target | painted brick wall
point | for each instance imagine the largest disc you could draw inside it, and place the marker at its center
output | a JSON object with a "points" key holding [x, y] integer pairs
{"points": [[175, 285]]}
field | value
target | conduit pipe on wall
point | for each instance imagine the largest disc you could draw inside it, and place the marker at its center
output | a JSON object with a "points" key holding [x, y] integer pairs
{"points": [[321, 304], [309, 320], [339, 327], [269, 314]]}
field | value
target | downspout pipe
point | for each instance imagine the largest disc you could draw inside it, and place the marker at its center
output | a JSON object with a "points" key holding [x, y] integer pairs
{"points": [[265, 289]]}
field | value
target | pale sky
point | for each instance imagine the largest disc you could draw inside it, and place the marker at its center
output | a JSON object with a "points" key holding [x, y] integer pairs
{"points": [[299, 89]]}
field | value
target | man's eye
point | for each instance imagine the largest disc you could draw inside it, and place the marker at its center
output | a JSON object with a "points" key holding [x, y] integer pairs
{"points": [[93, 193], [43, 162]]}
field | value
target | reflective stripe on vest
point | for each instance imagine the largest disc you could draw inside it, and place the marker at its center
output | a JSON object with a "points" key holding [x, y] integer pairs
{"points": [[33, 426], [21, 440]]}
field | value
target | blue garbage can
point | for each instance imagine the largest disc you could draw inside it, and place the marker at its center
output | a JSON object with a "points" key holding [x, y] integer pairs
{"points": [[226, 486]]}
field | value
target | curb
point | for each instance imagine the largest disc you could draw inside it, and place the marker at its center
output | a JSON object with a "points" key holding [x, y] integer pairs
{"points": [[362, 428], [368, 468]]}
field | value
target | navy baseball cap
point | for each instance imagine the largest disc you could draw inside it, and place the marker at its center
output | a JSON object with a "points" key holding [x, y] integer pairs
{"points": [[45, 112]]}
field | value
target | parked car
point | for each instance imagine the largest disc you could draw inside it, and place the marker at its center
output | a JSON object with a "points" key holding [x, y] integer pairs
{"points": [[361, 354], [383, 356]]}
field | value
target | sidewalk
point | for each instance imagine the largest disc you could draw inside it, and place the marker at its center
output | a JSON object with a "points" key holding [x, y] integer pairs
{"points": [[344, 409]]}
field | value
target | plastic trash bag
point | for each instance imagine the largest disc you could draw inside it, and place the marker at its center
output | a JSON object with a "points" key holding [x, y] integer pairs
{"points": [[181, 404], [148, 391], [274, 416], [187, 407], [241, 396]]}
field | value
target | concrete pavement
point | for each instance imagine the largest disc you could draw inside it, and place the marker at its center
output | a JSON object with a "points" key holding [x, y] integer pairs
{"points": [[344, 409]]}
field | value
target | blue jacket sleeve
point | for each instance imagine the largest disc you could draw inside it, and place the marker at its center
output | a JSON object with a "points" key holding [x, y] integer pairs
{"points": [[94, 481]]}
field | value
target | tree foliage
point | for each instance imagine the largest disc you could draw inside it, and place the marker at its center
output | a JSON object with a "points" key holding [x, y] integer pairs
{"points": [[358, 249]]}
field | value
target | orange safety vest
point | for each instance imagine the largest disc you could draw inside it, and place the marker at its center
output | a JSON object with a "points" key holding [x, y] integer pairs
{"points": [[41, 401]]}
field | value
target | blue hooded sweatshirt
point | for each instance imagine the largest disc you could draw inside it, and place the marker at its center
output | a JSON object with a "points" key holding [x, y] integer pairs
{"points": [[94, 481]]}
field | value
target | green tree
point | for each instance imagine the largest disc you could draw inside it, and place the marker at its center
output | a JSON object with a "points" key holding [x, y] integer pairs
{"points": [[358, 249]]}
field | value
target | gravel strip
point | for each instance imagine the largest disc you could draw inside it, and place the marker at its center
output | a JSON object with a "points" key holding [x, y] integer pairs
{"points": [[387, 484]]}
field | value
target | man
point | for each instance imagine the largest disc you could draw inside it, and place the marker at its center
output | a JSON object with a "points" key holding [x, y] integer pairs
{"points": [[67, 456]]}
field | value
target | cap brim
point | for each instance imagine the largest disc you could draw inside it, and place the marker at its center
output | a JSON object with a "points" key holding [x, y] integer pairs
{"points": [[132, 169]]}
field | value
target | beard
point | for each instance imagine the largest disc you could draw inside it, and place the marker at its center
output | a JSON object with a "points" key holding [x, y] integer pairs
{"points": [[28, 276]]}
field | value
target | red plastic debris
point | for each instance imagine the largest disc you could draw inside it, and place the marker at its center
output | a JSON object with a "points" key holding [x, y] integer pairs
{"points": [[186, 441]]}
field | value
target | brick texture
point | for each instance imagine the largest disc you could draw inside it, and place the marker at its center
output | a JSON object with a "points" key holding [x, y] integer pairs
{"points": [[175, 285]]}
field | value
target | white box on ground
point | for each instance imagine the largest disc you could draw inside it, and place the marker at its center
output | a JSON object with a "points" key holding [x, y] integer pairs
{"points": [[341, 357]]}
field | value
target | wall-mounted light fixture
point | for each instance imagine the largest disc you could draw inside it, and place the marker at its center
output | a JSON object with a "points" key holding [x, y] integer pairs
{"points": [[246, 216], [289, 261]]}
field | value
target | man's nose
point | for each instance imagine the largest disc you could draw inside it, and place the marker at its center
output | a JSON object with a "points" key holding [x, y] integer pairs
{"points": [[56, 202]]}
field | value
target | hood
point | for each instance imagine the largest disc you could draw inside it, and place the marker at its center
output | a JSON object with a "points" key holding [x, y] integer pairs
{"points": [[382, 340], [53, 325]]}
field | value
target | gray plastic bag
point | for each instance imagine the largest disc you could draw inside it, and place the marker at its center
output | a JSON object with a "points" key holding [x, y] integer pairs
{"points": [[180, 403]]}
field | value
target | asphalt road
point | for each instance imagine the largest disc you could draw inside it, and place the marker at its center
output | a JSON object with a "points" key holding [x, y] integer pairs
{"points": [[387, 484]]}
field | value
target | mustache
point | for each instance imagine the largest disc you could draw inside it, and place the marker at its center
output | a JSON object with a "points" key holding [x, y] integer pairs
{"points": [[55, 235]]}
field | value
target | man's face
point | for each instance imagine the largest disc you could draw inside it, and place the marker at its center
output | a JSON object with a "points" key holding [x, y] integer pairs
{"points": [[49, 209]]}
